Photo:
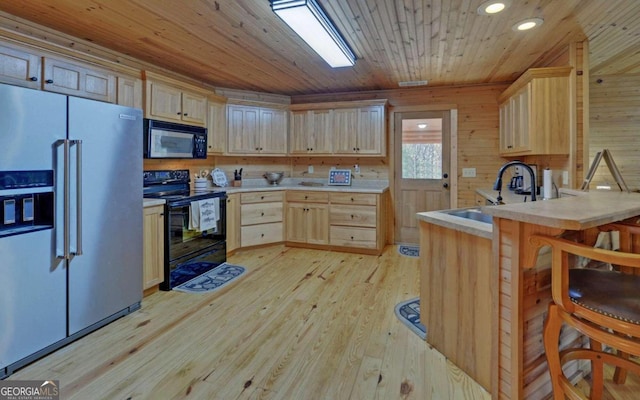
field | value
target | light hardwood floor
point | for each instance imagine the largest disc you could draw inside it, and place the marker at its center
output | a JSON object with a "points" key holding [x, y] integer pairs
{"points": [[301, 324]]}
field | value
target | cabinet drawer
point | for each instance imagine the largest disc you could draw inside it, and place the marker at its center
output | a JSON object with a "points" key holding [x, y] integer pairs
{"points": [[367, 199], [348, 236], [308, 197], [260, 213], [353, 215], [261, 234], [261, 197]]}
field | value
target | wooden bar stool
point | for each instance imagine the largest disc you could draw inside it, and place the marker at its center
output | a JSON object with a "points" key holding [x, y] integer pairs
{"points": [[602, 305]]}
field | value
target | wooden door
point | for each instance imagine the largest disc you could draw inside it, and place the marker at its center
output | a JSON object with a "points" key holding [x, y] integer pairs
{"points": [[78, 80], [370, 133], [317, 223], [153, 236], [194, 108], [233, 222], [345, 125], [242, 129], [299, 132], [18, 67], [165, 102], [422, 167], [321, 135], [129, 92], [296, 222], [273, 131], [216, 126]]}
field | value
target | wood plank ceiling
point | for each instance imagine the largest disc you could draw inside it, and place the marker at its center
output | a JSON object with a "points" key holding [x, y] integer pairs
{"points": [[242, 44]]}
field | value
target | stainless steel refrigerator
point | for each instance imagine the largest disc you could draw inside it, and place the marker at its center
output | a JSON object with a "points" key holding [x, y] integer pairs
{"points": [[82, 269]]}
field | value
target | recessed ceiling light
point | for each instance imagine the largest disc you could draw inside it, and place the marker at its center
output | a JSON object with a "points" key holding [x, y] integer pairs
{"points": [[493, 7], [422, 126], [527, 24]]}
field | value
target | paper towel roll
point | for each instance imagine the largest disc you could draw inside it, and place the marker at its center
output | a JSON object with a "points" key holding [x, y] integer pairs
{"points": [[547, 184]]}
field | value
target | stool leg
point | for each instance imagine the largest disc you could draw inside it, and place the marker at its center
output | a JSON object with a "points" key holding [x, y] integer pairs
{"points": [[597, 372], [620, 376], [552, 327]]}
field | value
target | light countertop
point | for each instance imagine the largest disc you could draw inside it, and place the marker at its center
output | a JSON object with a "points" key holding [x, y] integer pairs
{"points": [[252, 185], [578, 212]]}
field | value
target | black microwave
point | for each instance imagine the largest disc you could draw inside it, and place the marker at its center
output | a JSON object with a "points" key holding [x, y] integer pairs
{"points": [[171, 140]]}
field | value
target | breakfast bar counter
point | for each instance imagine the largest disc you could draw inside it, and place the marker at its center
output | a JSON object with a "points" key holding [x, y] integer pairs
{"points": [[524, 289]]}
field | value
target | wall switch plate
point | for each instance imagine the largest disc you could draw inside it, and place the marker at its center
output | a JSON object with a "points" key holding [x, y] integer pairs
{"points": [[310, 169], [468, 172], [565, 177], [356, 169]]}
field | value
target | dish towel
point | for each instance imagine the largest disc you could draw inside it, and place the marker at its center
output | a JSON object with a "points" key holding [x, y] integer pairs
{"points": [[607, 241], [204, 214]]}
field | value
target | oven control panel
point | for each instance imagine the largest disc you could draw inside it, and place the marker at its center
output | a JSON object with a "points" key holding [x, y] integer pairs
{"points": [[165, 176]]}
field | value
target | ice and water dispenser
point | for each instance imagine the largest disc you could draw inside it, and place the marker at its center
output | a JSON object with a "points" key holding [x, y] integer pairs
{"points": [[26, 201]]}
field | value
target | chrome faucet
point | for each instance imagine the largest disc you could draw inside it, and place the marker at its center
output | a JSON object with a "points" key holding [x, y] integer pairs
{"points": [[498, 185]]}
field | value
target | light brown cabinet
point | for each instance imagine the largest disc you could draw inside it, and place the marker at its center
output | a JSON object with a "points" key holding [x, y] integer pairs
{"points": [[153, 256], [307, 217], [78, 79], [261, 218], [129, 91], [216, 125], [339, 128], [172, 101], [534, 113], [19, 66], [360, 131], [233, 222], [256, 130], [356, 220], [311, 132]]}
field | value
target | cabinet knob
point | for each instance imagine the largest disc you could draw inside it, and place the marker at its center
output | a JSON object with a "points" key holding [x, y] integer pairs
{"points": [[354, 149], [34, 79], [262, 235], [257, 148], [262, 214], [351, 216], [261, 197], [162, 214], [306, 197], [351, 237], [49, 81], [179, 113], [445, 185], [357, 148], [260, 148], [185, 114], [312, 149], [352, 199]]}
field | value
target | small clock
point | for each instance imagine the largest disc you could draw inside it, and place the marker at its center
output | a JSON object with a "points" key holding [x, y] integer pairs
{"points": [[340, 177]]}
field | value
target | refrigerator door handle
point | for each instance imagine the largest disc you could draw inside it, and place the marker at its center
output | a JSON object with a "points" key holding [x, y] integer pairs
{"points": [[66, 254], [78, 196]]}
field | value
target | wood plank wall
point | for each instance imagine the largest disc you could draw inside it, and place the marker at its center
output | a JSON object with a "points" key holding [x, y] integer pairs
{"points": [[615, 125]]}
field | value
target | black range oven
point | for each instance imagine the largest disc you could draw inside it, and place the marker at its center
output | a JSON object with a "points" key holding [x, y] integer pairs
{"points": [[195, 239]]}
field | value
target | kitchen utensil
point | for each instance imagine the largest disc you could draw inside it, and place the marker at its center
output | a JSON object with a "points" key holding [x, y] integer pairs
{"points": [[273, 177], [204, 173]]}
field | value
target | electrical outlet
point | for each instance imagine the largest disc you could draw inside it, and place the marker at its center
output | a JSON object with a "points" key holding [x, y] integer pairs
{"points": [[310, 169], [468, 172], [356, 169]]}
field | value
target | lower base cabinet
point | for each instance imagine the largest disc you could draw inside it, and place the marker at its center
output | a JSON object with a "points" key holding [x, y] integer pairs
{"points": [[261, 218], [307, 217], [153, 256]]}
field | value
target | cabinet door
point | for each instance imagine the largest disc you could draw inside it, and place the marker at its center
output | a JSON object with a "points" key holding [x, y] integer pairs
{"points": [[233, 222], [321, 132], [299, 132], [317, 221], [164, 102], [345, 124], [216, 127], [242, 122], [370, 131], [129, 92], [521, 119], [78, 80], [153, 236], [506, 128], [273, 131], [296, 222], [194, 108], [19, 67]]}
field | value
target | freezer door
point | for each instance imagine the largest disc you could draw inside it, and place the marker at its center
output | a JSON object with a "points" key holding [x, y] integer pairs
{"points": [[106, 219], [32, 279]]}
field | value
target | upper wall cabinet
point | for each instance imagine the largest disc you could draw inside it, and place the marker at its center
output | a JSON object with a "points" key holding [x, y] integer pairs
{"points": [[339, 128], [256, 130], [39, 69], [217, 125], [311, 132], [535, 114], [173, 101], [19, 67], [78, 79]]}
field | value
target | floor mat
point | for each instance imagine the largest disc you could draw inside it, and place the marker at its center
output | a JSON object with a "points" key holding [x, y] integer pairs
{"points": [[212, 280], [409, 251], [408, 312]]}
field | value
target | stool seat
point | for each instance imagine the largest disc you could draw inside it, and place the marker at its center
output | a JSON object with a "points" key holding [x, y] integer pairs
{"points": [[610, 293]]}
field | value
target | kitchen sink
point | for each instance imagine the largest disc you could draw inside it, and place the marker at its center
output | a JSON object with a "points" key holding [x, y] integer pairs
{"points": [[471, 213]]}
